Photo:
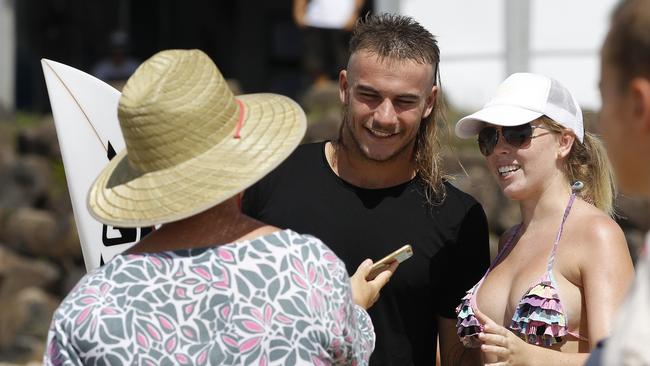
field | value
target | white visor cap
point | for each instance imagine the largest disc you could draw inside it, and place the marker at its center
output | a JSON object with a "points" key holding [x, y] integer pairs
{"points": [[522, 98]]}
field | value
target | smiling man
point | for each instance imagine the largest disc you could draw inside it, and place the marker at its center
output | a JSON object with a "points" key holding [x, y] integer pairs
{"points": [[380, 186]]}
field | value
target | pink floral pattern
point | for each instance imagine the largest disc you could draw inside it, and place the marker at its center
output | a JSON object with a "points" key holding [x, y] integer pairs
{"points": [[283, 299]]}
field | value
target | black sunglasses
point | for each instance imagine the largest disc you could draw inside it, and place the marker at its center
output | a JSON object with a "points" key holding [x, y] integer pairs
{"points": [[516, 136]]}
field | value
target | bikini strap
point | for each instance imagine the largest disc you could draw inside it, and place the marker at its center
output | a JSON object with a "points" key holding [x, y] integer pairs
{"points": [[506, 247], [551, 259]]}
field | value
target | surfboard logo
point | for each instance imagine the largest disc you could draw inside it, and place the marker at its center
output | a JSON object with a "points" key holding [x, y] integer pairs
{"points": [[85, 116]]}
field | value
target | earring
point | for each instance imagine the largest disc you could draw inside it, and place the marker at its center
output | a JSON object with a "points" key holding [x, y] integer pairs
{"points": [[577, 186]]}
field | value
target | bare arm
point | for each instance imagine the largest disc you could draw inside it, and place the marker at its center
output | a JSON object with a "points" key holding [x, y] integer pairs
{"points": [[358, 4], [452, 352], [299, 9]]}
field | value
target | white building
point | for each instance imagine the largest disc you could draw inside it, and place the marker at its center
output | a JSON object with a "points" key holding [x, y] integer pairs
{"points": [[483, 41]]}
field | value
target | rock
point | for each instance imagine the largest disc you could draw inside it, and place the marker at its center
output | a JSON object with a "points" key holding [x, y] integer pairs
{"points": [[70, 246], [33, 231], [39, 140], [41, 233], [72, 275], [17, 274], [635, 239], [33, 312], [25, 351], [323, 109], [7, 153], [323, 129], [25, 322], [26, 181], [322, 97], [633, 212]]}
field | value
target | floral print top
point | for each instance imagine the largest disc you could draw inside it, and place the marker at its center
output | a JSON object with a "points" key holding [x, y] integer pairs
{"points": [[281, 299]]}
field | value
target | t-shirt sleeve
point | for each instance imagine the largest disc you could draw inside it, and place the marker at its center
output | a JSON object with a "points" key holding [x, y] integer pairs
{"points": [[462, 263], [59, 351]]}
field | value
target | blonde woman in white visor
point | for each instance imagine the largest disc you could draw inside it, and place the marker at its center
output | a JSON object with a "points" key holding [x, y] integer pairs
{"points": [[552, 291]]}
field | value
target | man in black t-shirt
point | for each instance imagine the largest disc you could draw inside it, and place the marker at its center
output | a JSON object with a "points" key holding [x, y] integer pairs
{"points": [[379, 186]]}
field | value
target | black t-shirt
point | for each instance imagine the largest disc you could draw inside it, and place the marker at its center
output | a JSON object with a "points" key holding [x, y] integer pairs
{"points": [[450, 244]]}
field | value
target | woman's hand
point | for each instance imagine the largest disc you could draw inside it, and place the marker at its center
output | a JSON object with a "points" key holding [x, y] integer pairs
{"points": [[364, 292], [501, 344]]}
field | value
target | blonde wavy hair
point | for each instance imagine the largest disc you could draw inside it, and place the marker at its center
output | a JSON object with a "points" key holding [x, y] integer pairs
{"points": [[587, 162]]}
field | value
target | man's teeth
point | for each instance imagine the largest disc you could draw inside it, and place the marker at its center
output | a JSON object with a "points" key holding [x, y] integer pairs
{"points": [[503, 170], [380, 133]]}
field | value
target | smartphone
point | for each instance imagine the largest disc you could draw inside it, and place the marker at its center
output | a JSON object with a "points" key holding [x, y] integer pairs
{"points": [[400, 255]]}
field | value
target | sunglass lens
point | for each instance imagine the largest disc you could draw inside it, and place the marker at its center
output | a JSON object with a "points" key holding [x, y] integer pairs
{"points": [[487, 140], [517, 136]]}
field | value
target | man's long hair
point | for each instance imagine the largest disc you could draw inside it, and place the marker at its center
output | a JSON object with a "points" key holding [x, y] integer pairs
{"points": [[400, 38]]}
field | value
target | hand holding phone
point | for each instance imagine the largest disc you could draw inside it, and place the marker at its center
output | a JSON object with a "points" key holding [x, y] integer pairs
{"points": [[399, 256], [366, 282]]}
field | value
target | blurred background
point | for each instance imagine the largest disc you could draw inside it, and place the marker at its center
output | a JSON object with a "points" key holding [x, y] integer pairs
{"points": [[258, 48]]}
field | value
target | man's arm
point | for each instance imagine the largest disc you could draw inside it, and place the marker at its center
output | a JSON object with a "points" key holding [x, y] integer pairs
{"points": [[299, 9], [452, 352]]}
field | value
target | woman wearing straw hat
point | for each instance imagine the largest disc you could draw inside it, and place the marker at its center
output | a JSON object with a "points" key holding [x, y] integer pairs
{"points": [[211, 286], [551, 293]]}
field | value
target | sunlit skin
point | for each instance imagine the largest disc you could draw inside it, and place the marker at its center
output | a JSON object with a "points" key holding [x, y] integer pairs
{"points": [[537, 165], [625, 125], [592, 266], [385, 101]]}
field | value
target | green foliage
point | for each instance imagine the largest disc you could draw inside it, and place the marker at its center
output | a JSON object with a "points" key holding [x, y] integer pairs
{"points": [[27, 120]]}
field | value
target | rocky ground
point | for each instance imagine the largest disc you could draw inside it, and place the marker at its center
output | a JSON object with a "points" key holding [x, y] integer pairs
{"points": [[40, 255]]}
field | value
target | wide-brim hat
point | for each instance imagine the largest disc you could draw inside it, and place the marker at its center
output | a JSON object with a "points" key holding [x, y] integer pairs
{"points": [[190, 143]]}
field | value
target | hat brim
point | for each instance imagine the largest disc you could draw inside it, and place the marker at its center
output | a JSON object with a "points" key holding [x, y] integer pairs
{"points": [[273, 127], [500, 115]]}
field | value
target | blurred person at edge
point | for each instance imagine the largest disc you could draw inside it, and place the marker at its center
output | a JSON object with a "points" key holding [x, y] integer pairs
{"points": [[211, 285], [552, 292], [380, 185], [625, 125], [118, 65]]}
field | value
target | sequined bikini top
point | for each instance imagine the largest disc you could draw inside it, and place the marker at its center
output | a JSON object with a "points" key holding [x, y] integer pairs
{"points": [[539, 317]]}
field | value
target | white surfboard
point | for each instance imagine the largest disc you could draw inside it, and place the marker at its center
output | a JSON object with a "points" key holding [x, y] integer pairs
{"points": [[85, 116]]}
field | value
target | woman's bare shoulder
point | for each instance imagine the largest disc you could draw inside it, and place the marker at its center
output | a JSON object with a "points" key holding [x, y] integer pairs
{"points": [[596, 225], [597, 235]]}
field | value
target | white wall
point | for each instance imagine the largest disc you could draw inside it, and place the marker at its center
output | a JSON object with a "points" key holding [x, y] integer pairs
{"points": [[7, 55], [564, 43]]}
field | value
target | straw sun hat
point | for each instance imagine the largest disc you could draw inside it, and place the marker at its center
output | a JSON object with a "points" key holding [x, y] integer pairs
{"points": [[190, 144]]}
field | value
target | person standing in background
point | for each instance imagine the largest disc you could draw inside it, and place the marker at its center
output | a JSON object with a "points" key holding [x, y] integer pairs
{"points": [[118, 65], [325, 26]]}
